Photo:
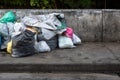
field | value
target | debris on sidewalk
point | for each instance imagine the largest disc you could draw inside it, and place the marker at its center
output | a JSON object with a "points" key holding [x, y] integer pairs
{"points": [[35, 34]]}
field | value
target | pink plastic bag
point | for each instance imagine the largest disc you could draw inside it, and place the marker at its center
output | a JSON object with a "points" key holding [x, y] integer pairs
{"points": [[69, 32]]}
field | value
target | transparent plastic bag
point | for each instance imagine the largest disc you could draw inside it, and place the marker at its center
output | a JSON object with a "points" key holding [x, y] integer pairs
{"points": [[42, 46], [76, 39]]}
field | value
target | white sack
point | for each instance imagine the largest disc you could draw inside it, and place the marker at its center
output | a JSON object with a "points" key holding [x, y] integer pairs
{"points": [[42, 46], [65, 42], [19, 27], [47, 34]]}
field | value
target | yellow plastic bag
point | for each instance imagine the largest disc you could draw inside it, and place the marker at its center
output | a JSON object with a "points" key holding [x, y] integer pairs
{"points": [[9, 47]]}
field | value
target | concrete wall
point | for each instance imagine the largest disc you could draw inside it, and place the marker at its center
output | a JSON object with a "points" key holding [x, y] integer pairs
{"points": [[111, 25], [89, 25]]}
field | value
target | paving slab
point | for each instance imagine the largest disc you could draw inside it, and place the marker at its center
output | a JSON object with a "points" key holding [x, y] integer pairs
{"points": [[114, 48], [84, 53], [85, 57]]}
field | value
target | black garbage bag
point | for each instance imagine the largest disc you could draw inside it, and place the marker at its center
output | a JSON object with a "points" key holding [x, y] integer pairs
{"points": [[23, 44], [52, 43]]}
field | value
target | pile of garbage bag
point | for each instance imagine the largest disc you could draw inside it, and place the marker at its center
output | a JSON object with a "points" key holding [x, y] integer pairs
{"points": [[35, 34]]}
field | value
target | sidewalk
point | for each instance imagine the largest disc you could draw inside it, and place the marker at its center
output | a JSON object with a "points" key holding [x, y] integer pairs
{"points": [[57, 76], [91, 57]]}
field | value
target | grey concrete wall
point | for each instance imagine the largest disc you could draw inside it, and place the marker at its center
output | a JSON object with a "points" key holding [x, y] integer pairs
{"points": [[88, 24], [111, 25]]}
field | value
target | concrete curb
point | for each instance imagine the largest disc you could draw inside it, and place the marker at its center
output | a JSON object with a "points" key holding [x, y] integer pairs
{"points": [[101, 68]]}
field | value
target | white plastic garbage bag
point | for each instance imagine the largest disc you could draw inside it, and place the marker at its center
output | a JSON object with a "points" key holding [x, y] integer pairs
{"points": [[10, 26], [47, 33], [29, 20], [52, 18], [46, 25], [59, 20], [76, 39], [15, 33], [41, 18], [42, 46], [48, 18], [58, 14], [59, 32], [19, 27], [65, 42], [4, 31], [48, 21]]}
